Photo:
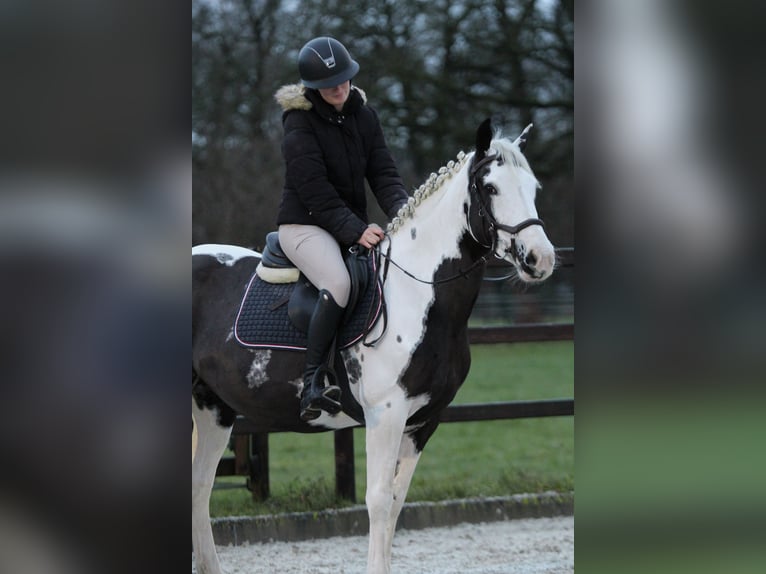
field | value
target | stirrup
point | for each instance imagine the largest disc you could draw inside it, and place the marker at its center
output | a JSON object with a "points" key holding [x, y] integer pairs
{"points": [[328, 401], [316, 399]]}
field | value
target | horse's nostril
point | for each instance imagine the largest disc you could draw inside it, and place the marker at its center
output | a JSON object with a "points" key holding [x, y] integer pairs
{"points": [[530, 259]]}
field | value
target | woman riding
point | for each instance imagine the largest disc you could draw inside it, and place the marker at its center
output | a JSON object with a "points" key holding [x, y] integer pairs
{"points": [[332, 143]]}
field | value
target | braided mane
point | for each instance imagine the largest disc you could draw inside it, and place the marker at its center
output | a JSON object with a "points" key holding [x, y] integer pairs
{"points": [[432, 184], [507, 149]]}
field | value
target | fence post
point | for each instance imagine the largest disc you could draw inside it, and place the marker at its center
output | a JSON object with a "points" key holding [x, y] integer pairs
{"points": [[241, 449], [258, 479], [345, 480]]}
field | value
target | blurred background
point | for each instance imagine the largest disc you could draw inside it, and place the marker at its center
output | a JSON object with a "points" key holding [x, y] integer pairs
{"points": [[96, 221], [95, 226], [670, 352], [432, 69]]}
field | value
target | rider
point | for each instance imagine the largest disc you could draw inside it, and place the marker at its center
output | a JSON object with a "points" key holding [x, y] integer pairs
{"points": [[332, 142]]}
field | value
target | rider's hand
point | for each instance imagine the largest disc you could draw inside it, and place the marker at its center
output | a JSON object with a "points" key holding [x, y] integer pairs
{"points": [[371, 236]]}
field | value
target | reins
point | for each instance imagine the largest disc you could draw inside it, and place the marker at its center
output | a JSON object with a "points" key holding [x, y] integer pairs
{"points": [[485, 237], [458, 275], [486, 217], [378, 253]]}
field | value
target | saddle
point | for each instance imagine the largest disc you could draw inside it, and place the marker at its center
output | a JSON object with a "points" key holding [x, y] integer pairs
{"points": [[279, 301], [276, 267]]}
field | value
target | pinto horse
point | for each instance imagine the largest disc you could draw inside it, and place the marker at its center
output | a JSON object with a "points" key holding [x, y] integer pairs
{"points": [[433, 258]]}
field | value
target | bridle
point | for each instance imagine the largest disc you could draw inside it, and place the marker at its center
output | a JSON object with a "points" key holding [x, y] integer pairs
{"points": [[483, 228], [482, 225]]}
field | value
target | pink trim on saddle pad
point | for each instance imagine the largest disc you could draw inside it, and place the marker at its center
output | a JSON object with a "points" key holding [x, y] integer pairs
{"points": [[290, 331]]}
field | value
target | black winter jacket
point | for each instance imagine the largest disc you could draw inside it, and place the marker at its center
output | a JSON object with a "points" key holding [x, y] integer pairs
{"points": [[328, 155]]}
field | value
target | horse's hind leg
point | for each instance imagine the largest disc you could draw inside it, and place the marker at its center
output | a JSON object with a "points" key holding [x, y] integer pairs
{"points": [[213, 421]]}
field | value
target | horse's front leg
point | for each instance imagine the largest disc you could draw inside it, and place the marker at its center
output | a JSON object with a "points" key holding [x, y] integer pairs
{"points": [[385, 425], [406, 462]]}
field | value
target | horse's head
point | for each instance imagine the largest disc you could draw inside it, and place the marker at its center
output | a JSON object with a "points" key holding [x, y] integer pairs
{"points": [[501, 209]]}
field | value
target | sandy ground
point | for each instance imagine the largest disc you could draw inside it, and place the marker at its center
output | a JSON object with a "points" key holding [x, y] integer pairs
{"points": [[525, 546]]}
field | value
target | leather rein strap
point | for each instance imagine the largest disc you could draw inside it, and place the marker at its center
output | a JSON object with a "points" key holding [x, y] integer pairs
{"points": [[477, 214]]}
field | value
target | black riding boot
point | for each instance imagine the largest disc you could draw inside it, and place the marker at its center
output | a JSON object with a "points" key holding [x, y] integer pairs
{"points": [[322, 329]]}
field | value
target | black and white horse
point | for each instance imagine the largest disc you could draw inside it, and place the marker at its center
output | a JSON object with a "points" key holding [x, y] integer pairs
{"points": [[480, 206]]}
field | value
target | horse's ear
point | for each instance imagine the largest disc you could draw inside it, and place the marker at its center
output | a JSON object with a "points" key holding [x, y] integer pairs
{"points": [[483, 138], [521, 141]]}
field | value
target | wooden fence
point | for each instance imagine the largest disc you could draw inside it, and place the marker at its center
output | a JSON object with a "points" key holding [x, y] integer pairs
{"points": [[251, 448]]}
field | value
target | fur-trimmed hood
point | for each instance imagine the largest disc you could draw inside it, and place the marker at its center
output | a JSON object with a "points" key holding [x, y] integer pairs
{"points": [[292, 97]]}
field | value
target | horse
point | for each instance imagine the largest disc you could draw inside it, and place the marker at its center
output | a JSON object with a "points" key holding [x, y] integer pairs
{"points": [[478, 207]]}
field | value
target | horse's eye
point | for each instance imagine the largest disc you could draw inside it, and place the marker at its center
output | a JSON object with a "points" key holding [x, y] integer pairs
{"points": [[491, 190]]}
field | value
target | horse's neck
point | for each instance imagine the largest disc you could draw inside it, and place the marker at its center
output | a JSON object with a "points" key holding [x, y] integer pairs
{"points": [[434, 241], [433, 232]]}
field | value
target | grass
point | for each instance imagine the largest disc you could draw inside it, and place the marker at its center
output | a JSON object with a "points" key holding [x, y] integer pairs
{"points": [[488, 458]]}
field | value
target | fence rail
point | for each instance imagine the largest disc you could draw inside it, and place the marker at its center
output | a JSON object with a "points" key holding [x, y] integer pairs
{"points": [[509, 410], [251, 453], [458, 414], [521, 333]]}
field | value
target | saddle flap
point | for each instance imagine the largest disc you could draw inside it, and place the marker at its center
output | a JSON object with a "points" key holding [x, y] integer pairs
{"points": [[301, 305], [304, 296], [358, 265]]}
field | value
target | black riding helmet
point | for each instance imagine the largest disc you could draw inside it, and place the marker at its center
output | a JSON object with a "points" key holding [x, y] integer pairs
{"points": [[325, 63]]}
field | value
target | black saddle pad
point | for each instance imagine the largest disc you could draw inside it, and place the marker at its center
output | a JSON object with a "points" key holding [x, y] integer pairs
{"points": [[262, 320]]}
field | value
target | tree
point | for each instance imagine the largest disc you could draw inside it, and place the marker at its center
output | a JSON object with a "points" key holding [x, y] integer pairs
{"points": [[433, 70]]}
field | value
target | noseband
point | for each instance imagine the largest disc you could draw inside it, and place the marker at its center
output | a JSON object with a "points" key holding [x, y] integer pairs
{"points": [[482, 224]]}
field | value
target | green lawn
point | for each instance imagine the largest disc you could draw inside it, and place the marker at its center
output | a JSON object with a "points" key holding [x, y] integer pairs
{"points": [[462, 459]]}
